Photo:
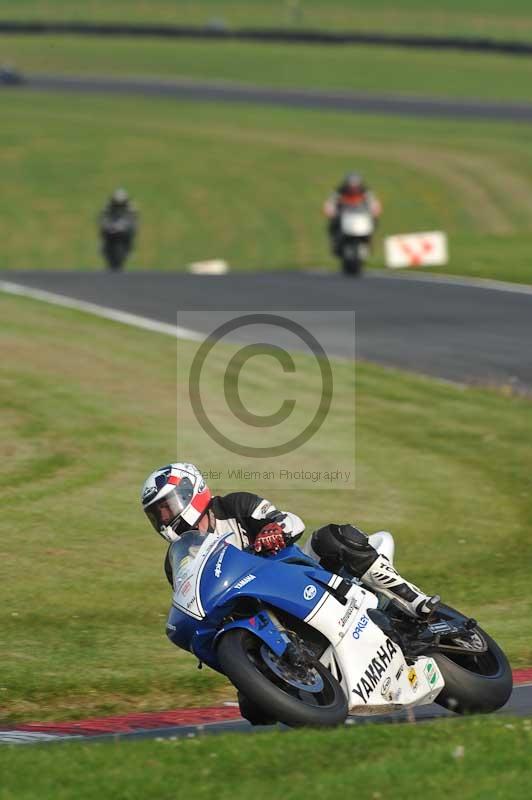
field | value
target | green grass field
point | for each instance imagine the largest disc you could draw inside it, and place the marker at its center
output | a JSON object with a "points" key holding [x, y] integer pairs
{"points": [[246, 183], [474, 759], [89, 408], [388, 70], [494, 18]]}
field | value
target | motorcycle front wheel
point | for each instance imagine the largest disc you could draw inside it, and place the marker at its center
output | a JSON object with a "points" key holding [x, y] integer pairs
{"points": [[477, 681], [115, 255], [294, 694], [351, 266]]}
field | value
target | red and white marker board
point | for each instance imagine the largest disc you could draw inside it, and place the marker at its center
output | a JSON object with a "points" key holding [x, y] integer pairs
{"points": [[416, 250]]}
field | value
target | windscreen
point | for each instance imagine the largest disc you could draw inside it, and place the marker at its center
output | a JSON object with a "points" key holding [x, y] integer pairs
{"points": [[183, 552]]}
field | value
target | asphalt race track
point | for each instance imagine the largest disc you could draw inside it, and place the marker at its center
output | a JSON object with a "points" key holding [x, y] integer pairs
{"points": [[451, 329], [145, 726], [228, 92]]}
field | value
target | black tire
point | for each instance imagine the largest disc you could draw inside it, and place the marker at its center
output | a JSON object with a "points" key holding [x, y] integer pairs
{"points": [[474, 684], [116, 255], [252, 712], [240, 659], [351, 267]]}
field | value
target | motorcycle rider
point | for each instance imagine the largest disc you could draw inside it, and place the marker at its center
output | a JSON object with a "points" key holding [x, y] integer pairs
{"points": [[176, 499], [119, 218], [352, 191]]}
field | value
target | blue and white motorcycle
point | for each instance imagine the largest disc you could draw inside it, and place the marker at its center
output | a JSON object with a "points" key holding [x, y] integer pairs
{"points": [[306, 647]]}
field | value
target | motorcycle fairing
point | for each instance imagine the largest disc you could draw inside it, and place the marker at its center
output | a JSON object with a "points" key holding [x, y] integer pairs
{"points": [[221, 573], [262, 626], [357, 223], [206, 590], [370, 667]]}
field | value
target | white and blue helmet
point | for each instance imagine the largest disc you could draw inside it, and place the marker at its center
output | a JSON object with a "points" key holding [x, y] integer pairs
{"points": [[174, 498]]}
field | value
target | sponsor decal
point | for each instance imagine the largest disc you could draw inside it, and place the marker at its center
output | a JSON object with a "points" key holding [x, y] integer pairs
{"points": [[412, 678], [351, 607], [243, 581], [218, 567], [195, 550], [191, 602], [375, 670], [441, 627], [263, 621], [185, 589], [431, 673], [150, 489], [359, 627], [265, 507], [399, 672], [170, 627], [310, 592], [386, 687]]}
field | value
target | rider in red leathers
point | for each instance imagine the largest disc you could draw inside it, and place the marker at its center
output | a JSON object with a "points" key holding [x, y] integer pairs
{"points": [[352, 191]]}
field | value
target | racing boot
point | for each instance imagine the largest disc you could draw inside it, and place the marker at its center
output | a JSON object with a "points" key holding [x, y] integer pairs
{"points": [[344, 547], [384, 578]]}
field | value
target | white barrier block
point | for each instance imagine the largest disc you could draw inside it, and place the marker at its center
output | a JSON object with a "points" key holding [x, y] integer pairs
{"points": [[416, 250], [214, 267]]}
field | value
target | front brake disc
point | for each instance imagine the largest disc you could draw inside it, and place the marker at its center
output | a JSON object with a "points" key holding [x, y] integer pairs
{"points": [[310, 681]]}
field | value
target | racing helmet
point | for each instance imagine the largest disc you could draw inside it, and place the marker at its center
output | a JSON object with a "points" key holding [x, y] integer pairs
{"points": [[353, 183], [119, 197], [174, 498]]}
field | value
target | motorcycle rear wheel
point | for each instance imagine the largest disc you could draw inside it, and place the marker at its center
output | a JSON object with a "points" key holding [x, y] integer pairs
{"points": [[474, 684], [241, 659]]}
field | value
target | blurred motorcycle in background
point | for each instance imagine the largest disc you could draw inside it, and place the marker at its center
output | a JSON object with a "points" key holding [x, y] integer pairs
{"points": [[118, 225], [355, 228]]}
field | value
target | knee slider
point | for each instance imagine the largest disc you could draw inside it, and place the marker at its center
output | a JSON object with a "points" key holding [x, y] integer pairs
{"points": [[327, 546], [343, 546], [352, 538], [335, 543]]}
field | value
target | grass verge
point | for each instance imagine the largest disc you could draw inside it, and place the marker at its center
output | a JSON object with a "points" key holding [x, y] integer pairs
{"points": [[246, 183], [387, 70], [511, 20], [475, 759], [89, 408]]}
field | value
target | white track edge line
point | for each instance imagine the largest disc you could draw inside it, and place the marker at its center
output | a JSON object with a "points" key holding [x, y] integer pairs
{"points": [[112, 314], [456, 280], [437, 277]]}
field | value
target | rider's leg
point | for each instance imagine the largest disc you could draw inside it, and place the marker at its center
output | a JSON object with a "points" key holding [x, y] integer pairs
{"points": [[333, 227], [345, 546]]}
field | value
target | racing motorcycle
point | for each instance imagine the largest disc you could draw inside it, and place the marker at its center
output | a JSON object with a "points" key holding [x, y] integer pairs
{"points": [[352, 237], [304, 646]]}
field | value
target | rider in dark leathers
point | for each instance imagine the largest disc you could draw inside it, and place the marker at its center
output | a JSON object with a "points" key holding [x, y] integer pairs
{"points": [[118, 224]]}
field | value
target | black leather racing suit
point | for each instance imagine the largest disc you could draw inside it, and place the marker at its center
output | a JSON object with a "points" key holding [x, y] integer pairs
{"points": [[244, 514]]}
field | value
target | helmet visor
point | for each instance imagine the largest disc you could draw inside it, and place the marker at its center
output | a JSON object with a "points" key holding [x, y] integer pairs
{"points": [[167, 510]]}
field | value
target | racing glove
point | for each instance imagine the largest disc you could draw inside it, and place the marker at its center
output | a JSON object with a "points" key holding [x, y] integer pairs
{"points": [[270, 539]]}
